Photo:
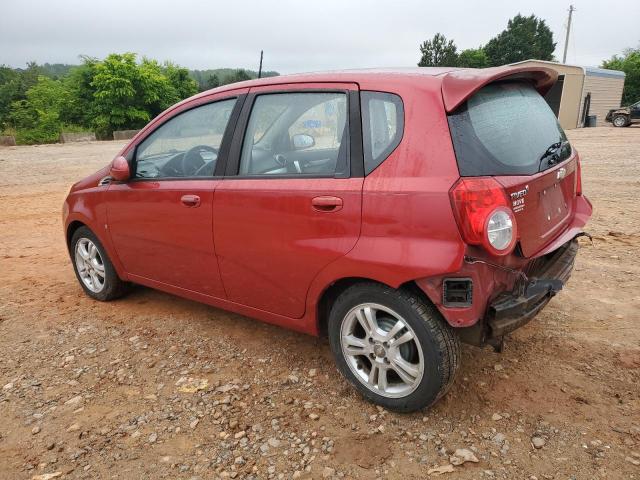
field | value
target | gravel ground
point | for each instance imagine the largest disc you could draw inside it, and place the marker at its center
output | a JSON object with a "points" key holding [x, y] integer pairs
{"points": [[154, 386]]}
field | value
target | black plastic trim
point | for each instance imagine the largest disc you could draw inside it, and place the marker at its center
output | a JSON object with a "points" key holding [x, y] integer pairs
{"points": [[469, 292]]}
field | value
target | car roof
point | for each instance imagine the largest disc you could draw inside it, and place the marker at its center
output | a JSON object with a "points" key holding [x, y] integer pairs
{"points": [[338, 76], [457, 84]]}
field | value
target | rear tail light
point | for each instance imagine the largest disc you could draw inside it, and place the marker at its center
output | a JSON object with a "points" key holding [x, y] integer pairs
{"points": [[483, 214]]}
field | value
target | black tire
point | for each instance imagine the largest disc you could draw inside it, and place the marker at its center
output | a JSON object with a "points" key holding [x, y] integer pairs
{"points": [[620, 121], [437, 340], [113, 286]]}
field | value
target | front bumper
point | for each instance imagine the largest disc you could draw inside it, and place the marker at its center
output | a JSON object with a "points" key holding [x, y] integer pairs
{"points": [[543, 278]]}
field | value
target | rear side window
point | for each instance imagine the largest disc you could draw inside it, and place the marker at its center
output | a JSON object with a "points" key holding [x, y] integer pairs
{"points": [[383, 124], [506, 129]]}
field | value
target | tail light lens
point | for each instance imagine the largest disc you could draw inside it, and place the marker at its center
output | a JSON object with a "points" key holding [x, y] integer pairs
{"points": [[482, 211]]}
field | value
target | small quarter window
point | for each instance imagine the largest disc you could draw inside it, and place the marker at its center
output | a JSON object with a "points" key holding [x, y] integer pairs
{"points": [[383, 125]]}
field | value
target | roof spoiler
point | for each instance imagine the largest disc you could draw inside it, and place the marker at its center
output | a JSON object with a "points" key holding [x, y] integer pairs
{"points": [[459, 85]]}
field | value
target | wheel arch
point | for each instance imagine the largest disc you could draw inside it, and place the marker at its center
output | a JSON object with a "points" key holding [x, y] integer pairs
{"points": [[78, 221], [72, 228], [336, 288]]}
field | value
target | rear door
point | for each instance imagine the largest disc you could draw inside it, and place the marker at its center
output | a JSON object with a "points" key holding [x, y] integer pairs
{"points": [[506, 130], [291, 201]]}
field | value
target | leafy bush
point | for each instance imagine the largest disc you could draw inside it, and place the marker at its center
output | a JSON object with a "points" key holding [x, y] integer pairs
{"points": [[116, 93], [629, 63], [37, 119]]}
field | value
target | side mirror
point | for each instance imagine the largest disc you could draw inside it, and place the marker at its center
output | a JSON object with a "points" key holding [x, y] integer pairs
{"points": [[302, 141], [120, 169]]}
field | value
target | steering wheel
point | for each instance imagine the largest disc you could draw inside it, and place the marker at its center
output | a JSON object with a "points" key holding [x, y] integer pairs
{"points": [[292, 166], [192, 162]]}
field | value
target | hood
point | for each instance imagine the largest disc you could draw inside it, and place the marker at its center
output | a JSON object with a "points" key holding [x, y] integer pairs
{"points": [[91, 180]]}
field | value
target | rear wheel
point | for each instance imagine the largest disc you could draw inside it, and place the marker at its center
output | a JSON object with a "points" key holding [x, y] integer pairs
{"points": [[394, 347], [620, 121], [93, 267]]}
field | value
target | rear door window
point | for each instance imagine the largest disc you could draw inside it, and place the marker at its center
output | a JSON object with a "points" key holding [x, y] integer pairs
{"points": [[296, 134], [383, 124], [506, 129]]}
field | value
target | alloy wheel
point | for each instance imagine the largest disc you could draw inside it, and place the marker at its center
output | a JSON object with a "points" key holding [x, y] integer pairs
{"points": [[382, 350], [89, 265]]}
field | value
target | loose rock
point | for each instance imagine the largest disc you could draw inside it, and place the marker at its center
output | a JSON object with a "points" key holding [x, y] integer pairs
{"points": [[462, 455], [538, 442]]}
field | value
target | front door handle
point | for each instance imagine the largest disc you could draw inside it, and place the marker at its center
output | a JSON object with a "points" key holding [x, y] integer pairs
{"points": [[326, 204], [190, 200]]}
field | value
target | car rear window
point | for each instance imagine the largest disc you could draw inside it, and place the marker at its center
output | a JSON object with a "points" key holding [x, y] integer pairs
{"points": [[505, 129]]}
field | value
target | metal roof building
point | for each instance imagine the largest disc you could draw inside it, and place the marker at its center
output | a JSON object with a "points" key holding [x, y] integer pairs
{"points": [[581, 92]]}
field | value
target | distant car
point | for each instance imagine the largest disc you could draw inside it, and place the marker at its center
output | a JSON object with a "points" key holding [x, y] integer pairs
{"points": [[624, 116], [396, 212]]}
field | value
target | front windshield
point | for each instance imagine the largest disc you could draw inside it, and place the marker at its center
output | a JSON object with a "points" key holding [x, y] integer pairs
{"points": [[505, 129]]}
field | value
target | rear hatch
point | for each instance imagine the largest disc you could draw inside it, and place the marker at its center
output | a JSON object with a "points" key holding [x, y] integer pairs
{"points": [[507, 131]]}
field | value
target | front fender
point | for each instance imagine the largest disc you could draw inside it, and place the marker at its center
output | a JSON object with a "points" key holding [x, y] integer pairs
{"points": [[89, 208]]}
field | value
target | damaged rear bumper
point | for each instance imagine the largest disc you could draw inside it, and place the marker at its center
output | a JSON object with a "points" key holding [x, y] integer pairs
{"points": [[511, 310]]}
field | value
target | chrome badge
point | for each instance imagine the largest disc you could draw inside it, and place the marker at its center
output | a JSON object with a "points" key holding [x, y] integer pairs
{"points": [[561, 173], [517, 199]]}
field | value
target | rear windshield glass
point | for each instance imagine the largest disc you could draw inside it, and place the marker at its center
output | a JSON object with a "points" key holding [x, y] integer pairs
{"points": [[507, 129]]}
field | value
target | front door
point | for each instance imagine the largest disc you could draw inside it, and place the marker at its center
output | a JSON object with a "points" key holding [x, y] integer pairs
{"points": [[161, 221], [291, 203]]}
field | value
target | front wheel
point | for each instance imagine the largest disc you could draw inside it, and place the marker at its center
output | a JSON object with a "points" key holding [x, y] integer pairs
{"points": [[93, 268], [620, 121], [394, 347]]}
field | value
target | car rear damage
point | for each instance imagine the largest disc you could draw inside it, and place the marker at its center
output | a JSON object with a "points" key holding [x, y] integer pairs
{"points": [[497, 290]]}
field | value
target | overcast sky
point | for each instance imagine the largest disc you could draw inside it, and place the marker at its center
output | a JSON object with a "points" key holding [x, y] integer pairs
{"points": [[295, 35]]}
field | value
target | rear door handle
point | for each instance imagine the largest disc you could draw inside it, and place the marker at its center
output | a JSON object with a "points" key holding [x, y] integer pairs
{"points": [[326, 204], [190, 200]]}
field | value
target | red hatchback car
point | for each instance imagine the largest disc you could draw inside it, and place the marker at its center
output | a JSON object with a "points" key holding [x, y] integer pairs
{"points": [[397, 212]]}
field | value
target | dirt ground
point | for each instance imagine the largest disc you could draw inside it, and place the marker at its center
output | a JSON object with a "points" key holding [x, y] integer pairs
{"points": [[153, 386]]}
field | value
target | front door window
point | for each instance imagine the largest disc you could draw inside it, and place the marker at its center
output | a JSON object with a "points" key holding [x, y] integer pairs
{"points": [[187, 145]]}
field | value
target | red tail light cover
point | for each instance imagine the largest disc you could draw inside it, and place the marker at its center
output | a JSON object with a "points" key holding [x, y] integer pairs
{"points": [[473, 201]]}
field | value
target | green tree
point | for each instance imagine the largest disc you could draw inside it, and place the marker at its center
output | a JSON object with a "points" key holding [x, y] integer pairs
{"points": [[127, 95], [14, 85], [473, 58], [9, 92], [438, 52], [79, 109], [213, 81], [524, 38], [239, 75], [629, 63], [37, 118], [183, 84]]}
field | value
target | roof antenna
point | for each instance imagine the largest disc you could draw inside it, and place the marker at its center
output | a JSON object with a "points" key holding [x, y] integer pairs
{"points": [[566, 40], [260, 69]]}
